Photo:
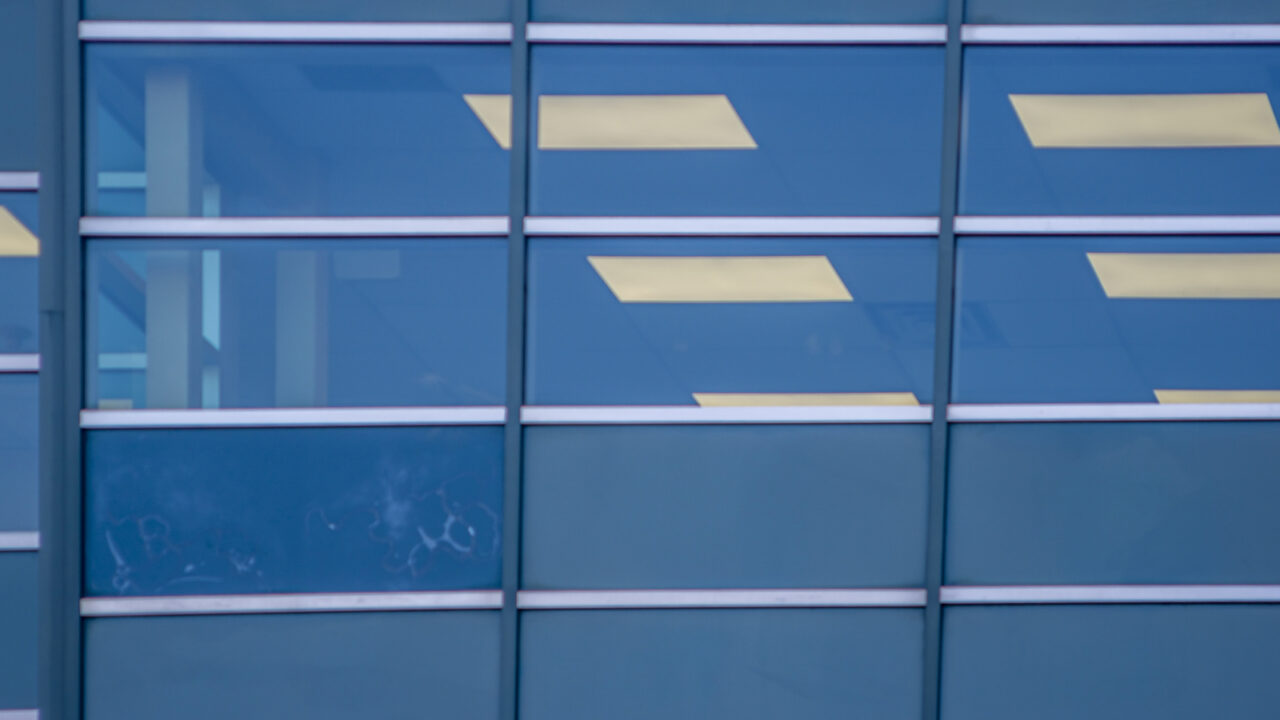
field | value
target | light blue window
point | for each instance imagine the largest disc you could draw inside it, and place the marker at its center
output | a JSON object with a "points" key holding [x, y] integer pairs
{"points": [[18, 623], [330, 10], [19, 436], [19, 85], [753, 11], [19, 252], [1121, 11]]}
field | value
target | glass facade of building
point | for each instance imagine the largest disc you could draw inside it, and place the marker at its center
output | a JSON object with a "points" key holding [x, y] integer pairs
{"points": [[906, 359]]}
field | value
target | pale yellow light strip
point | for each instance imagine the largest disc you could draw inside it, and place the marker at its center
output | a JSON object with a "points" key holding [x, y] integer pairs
{"points": [[640, 122], [804, 399], [1148, 121], [1188, 275], [1172, 397], [494, 111], [15, 239], [721, 279]]}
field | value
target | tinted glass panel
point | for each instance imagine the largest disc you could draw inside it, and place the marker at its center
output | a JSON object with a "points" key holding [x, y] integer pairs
{"points": [[17, 630], [666, 507], [263, 323], [1121, 130], [748, 664], [682, 322], [1184, 502], [19, 409], [292, 130], [751, 11], [339, 10], [321, 666], [19, 249], [736, 130], [1117, 320], [1110, 662], [1121, 11], [18, 84], [192, 512]]}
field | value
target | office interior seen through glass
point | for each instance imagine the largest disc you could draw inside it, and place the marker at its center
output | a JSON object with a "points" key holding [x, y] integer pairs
{"points": [[907, 359]]}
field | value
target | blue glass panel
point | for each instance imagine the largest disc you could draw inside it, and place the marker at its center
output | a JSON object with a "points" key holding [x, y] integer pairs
{"points": [[1035, 324], [741, 11], [19, 409], [17, 630], [821, 147], [334, 10], [1163, 502], [725, 506], [292, 130], [190, 512], [1175, 662], [18, 277], [263, 323], [19, 128], [1122, 11], [587, 347], [743, 664], [1003, 174], [397, 666]]}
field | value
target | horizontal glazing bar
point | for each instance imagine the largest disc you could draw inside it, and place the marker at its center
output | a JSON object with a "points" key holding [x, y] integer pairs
{"points": [[1084, 412], [19, 714], [19, 541], [807, 226], [1126, 225], [299, 603], [1071, 594], [20, 363], [166, 31], [293, 417], [603, 599], [291, 227], [679, 415], [19, 181], [735, 33], [1126, 34]]}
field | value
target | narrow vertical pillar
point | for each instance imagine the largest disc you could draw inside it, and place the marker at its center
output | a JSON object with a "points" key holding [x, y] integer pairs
{"points": [[299, 329]]}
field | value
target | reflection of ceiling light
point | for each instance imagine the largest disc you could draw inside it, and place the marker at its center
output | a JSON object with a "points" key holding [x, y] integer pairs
{"points": [[15, 239], [803, 399], [721, 279], [495, 112], [1188, 275], [1148, 121], [1171, 397], [640, 122]]}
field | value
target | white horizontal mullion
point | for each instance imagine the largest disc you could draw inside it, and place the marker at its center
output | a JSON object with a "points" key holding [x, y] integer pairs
{"points": [[19, 181], [1121, 34], [290, 603], [806, 226], [606, 599], [293, 417], [702, 33], [20, 714], [284, 32], [19, 363], [1118, 224], [1102, 594], [165, 227], [19, 541], [1106, 412], [693, 415]]}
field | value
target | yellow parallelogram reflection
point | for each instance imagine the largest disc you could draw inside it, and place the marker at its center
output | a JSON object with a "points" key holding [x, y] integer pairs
{"points": [[15, 239], [1176, 397], [803, 399], [1148, 121], [774, 279], [1204, 276]]}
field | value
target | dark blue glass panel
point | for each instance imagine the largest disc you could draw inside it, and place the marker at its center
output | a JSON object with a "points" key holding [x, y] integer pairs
{"points": [[292, 130], [748, 11], [332, 10], [265, 323], [19, 120], [397, 666], [1119, 503], [725, 506], [190, 512], [17, 630], [822, 147], [1003, 174], [19, 408], [1122, 11], [18, 273], [1175, 662], [1035, 324], [744, 664], [587, 347]]}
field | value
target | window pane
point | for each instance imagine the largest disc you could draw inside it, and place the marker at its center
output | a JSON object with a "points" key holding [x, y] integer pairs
{"points": [[292, 130], [753, 321], [736, 130], [1179, 662], [743, 664], [750, 11], [19, 250], [1094, 503], [17, 630], [324, 666], [197, 512], [19, 410], [1121, 130], [19, 141], [1100, 319], [336, 10], [725, 506], [267, 323], [1121, 11]]}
